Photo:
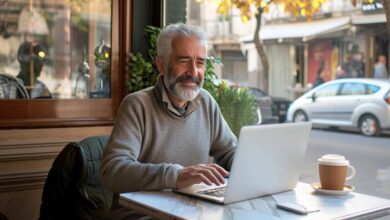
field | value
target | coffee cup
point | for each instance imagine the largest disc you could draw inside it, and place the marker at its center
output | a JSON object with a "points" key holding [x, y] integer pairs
{"points": [[333, 171]]}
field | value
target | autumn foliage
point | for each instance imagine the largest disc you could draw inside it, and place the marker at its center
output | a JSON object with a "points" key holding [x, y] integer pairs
{"points": [[249, 8]]}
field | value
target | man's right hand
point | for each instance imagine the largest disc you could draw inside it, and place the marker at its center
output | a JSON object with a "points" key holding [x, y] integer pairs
{"points": [[206, 173]]}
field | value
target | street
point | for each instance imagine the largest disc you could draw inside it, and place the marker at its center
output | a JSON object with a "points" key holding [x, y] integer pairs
{"points": [[369, 155]]}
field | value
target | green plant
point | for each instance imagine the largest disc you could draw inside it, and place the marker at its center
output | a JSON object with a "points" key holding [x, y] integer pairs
{"points": [[237, 105], [210, 77], [143, 71]]}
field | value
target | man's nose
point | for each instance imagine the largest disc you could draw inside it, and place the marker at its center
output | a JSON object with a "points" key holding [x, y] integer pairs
{"points": [[193, 69]]}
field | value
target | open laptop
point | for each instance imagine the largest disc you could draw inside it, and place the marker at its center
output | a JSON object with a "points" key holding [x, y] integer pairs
{"points": [[268, 160]]}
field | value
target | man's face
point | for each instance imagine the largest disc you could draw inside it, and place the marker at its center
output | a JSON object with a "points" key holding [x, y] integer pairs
{"points": [[184, 74], [382, 59]]}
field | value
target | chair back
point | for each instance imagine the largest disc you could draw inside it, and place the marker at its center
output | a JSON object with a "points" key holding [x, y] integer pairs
{"points": [[73, 189], [12, 88]]}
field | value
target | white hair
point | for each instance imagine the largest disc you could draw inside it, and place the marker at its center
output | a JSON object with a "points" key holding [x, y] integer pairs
{"points": [[164, 41]]}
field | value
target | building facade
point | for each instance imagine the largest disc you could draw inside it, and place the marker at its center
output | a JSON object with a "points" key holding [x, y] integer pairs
{"points": [[343, 39]]}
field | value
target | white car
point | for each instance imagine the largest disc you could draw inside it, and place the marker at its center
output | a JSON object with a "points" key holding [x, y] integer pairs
{"points": [[354, 102]]}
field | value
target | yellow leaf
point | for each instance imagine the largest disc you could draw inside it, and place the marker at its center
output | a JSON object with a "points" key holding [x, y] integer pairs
{"points": [[248, 8], [244, 18], [282, 6], [303, 12]]}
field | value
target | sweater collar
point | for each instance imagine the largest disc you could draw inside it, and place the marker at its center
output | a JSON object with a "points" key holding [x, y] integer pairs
{"points": [[163, 96]]}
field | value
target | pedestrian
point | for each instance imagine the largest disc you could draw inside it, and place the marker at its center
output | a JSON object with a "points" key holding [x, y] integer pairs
{"points": [[341, 73], [164, 135], [380, 70], [320, 77], [355, 65]]}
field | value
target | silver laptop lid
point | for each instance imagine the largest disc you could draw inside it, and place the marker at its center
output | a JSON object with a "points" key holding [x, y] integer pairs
{"points": [[268, 160]]}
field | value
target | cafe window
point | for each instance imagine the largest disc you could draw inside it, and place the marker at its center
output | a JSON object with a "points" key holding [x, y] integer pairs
{"points": [[57, 60], [58, 49]]}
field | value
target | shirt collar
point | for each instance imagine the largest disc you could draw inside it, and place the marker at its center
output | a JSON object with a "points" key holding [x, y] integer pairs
{"points": [[168, 102]]}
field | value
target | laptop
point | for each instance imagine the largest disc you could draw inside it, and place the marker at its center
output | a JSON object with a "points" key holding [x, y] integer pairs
{"points": [[268, 160]]}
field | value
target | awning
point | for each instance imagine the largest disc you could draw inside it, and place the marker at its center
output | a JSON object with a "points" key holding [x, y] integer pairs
{"points": [[304, 30], [368, 19]]}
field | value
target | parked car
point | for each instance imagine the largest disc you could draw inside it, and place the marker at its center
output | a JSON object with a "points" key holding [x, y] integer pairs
{"points": [[273, 109], [359, 103]]}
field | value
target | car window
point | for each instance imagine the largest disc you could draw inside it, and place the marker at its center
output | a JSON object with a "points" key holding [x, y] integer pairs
{"points": [[326, 91], [372, 89], [257, 93], [353, 89]]}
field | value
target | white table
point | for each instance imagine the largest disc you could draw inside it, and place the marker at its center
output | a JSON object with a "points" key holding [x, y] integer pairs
{"points": [[170, 205]]}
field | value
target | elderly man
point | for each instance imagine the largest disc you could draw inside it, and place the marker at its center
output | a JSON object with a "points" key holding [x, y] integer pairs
{"points": [[164, 135]]}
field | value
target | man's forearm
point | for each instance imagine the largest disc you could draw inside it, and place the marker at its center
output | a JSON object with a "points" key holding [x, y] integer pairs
{"points": [[128, 176]]}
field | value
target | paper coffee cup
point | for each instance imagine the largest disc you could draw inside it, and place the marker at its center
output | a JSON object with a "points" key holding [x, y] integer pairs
{"points": [[333, 171]]}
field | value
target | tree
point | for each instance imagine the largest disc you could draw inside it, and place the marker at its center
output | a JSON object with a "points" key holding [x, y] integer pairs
{"points": [[255, 8]]}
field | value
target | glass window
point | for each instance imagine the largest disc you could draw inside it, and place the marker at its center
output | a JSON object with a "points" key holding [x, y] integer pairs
{"points": [[353, 89], [230, 33], [330, 90], [371, 89], [56, 49]]}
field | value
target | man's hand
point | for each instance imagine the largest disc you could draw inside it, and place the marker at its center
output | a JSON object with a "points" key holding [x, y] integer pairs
{"points": [[206, 173]]}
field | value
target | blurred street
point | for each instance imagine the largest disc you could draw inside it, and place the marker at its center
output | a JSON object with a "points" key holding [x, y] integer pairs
{"points": [[369, 155]]}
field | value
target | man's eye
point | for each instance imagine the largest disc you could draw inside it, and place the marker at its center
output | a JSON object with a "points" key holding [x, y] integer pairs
{"points": [[200, 63], [183, 61]]}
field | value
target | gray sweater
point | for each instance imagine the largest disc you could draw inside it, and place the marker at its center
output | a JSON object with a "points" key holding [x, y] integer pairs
{"points": [[151, 142]]}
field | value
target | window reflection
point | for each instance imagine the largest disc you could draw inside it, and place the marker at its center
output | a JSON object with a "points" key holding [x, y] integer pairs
{"points": [[353, 89], [55, 49], [328, 91]]}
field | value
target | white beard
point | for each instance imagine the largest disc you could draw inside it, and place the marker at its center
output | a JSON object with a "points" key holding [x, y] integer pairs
{"points": [[181, 92], [185, 93]]}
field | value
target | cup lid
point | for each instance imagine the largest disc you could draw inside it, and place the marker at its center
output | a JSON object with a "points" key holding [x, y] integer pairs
{"points": [[333, 160]]}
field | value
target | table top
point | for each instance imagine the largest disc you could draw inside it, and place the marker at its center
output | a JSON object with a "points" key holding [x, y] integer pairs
{"points": [[170, 205]]}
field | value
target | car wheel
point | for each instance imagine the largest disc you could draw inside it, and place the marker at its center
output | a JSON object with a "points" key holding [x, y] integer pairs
{"points": [[300, 116], [369, 126]]}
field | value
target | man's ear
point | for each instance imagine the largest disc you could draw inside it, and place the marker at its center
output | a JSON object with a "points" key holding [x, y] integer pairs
{"points": [[160, 65]]}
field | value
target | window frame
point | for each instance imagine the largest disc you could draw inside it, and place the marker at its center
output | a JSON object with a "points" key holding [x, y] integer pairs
{"points": [[79, 112]]}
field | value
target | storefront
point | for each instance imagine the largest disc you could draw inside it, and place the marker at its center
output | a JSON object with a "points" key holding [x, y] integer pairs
{"points": [[343, 46], [296, 50]]}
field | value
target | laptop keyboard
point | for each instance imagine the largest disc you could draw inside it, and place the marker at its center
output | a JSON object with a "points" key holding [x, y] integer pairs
{"points": [[217, 192]]}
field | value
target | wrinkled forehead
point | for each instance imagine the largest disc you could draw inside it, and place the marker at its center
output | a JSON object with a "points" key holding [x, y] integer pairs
{"points": [[188, 45]]}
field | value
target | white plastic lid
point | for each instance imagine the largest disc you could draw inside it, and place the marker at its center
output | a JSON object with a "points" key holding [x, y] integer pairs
{"points": [[333, 160]]}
